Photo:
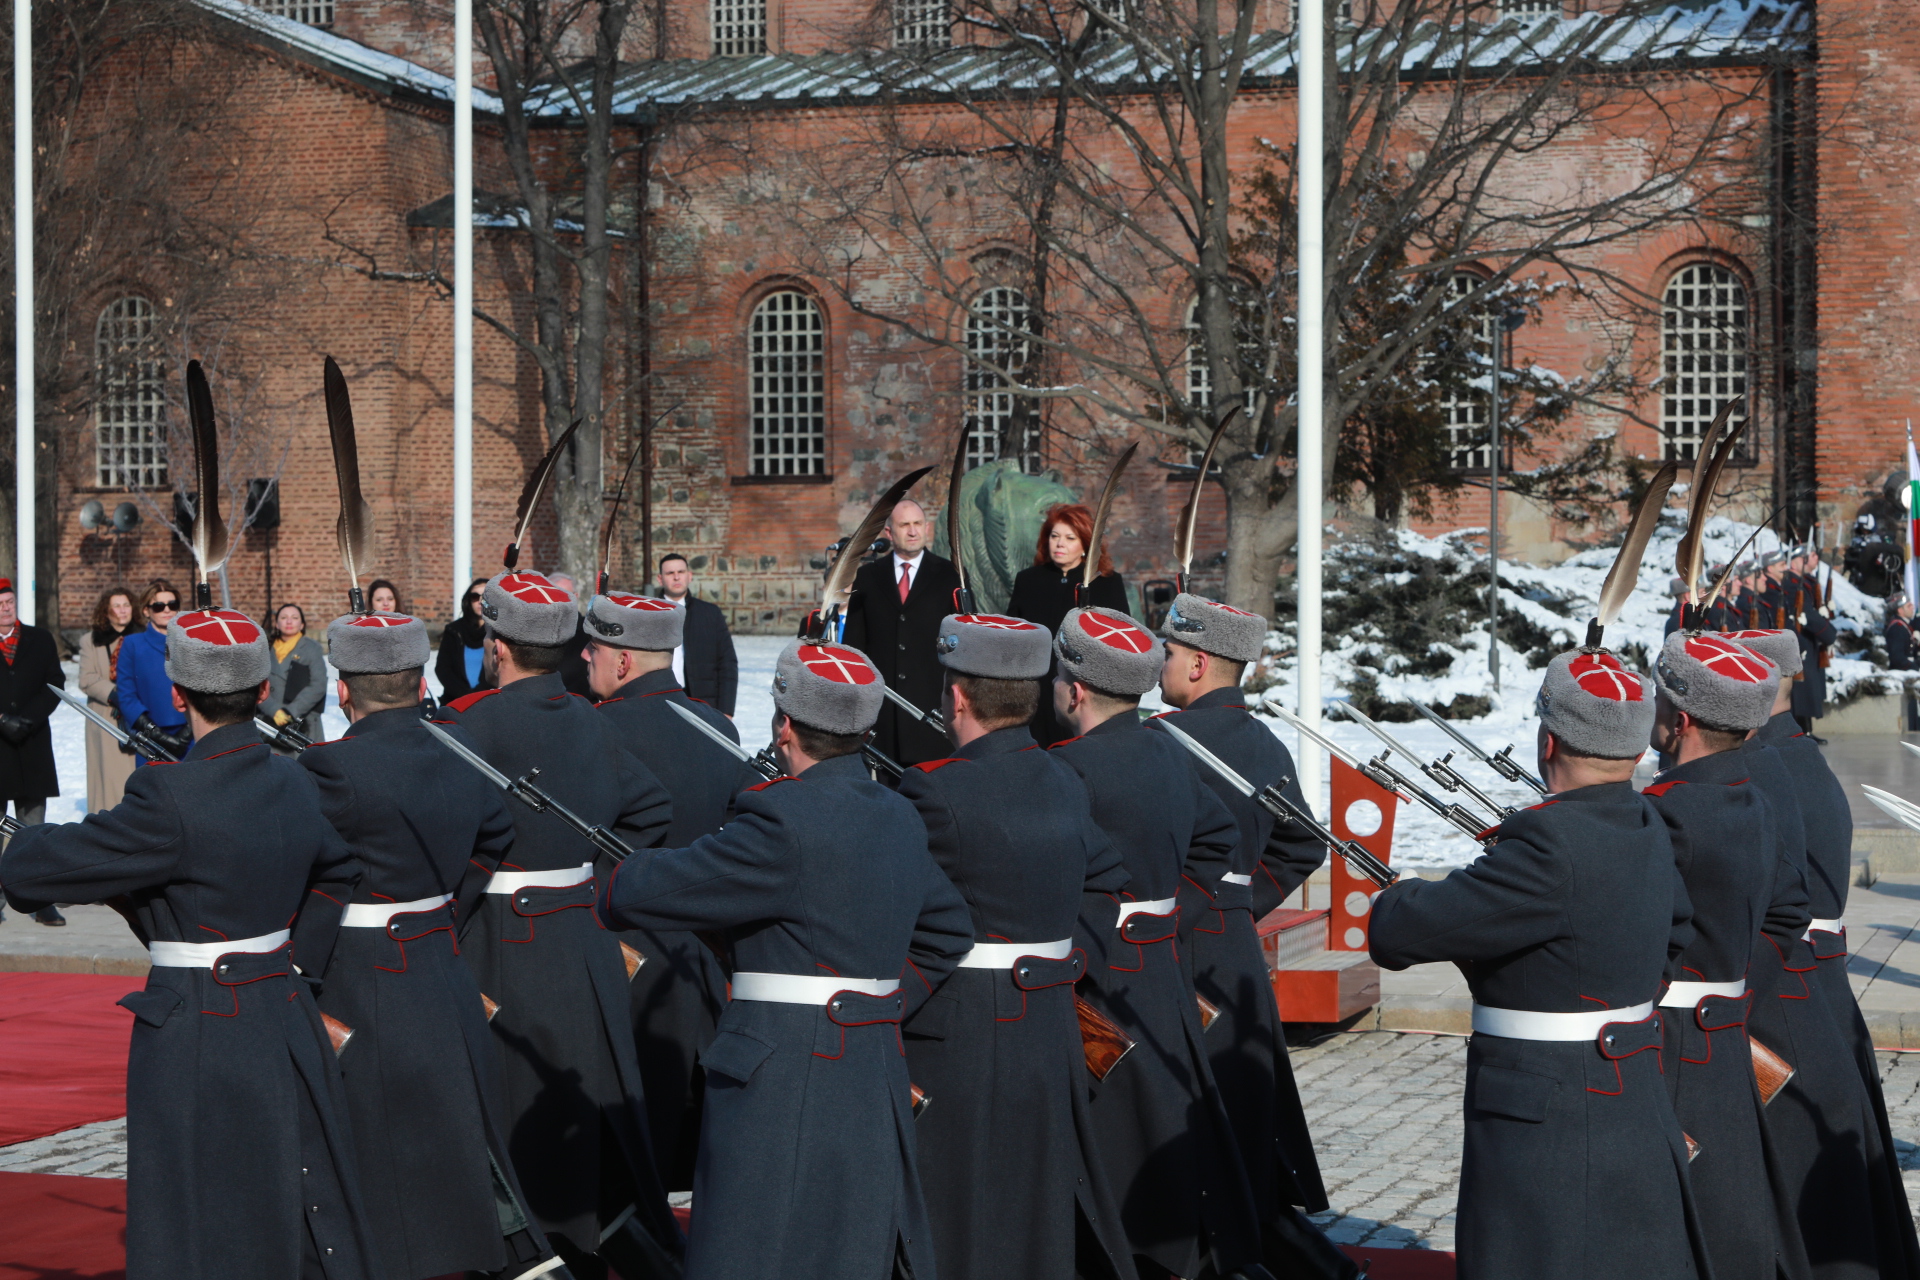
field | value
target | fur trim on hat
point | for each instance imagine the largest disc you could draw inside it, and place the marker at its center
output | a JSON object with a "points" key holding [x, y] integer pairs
{"points": [[1215, 628], [828, 687], [1104, 649], [1781, 648], [525, 608], [1591, 702], [994, 646], [217, 651], [372, 644], [635, 622], [1720, 684]]}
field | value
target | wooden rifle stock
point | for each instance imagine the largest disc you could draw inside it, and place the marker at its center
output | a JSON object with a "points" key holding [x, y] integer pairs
{"points": [[1103, 1042], [1770, 1071]]}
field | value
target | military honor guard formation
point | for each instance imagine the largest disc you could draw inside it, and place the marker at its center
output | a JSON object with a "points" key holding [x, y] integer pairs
{"points": [[476, 987]]}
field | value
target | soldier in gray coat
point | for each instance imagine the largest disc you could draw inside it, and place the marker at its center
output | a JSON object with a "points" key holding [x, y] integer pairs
{"points": [[1574, 1166], [837, 925]]}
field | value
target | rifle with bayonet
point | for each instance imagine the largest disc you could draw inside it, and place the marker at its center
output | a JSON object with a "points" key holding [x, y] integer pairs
{"points": [[932, 719], [145, 741], [1501, 761], [1281, 806], [284, 736], [528, 792], [1441, 771], [1382, 774], [764, 761], [963, 598]]}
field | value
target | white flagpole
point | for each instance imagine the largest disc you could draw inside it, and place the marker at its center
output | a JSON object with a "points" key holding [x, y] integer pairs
{"points": [[1310, 210], [462, 298], [24, 560]]}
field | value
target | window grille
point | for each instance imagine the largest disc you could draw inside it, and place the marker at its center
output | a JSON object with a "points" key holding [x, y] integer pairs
{"points": [[129, 406], [922, 24], [1465, 405], [1529, 8], [739, 27], [1246, 315], [315, 13], [1703, 356], [787, 342], [997, 358]]}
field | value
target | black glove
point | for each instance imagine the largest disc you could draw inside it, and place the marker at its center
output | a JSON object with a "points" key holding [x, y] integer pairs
{"points": [[17, 729], [177, 741]]}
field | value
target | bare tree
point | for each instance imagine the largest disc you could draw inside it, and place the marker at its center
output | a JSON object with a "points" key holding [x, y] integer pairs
{"points": [[1087, 151]]}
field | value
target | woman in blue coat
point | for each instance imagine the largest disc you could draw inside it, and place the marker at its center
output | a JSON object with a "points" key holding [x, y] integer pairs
{"points": [[146, 694]]}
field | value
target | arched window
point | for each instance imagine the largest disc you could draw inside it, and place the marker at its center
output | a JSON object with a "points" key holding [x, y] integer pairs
{"points": [[999, 420], [787, 372], [1703, 358], [129, 403], [1464, 404], [739, 27]]}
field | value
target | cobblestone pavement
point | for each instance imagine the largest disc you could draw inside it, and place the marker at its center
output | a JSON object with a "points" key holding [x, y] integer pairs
{"points": [[1384, 1108]]}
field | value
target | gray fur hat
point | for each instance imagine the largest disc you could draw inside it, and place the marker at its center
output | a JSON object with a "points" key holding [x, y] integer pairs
{"points": [[1215, 628], [828, 687], [1106, 650], [635, 622], [1595, 705], [1719, 683], [995, 646], [527, 609], [217, 651], [371, 644], [1781, 648]]}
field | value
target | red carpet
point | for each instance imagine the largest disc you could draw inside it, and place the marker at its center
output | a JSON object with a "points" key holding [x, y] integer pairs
{"points": [[62, 1228], [1401, 1264], [66, 1058]]}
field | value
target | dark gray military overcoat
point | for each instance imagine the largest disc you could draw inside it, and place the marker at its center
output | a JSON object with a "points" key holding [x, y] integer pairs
{"points": [[239, 1150], [807, 1168]]}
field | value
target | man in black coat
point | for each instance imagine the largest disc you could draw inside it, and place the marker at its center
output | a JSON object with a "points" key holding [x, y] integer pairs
{"points": [[1739, 880], [239, 1147], [422, 1072], [1162, 1129], [679, 989], [28, 662], [1829, 1123], [837, 926], [705, 662], [893, 617], [578, 1127], [1007, 1155], [1563, 927], [1208, 645]]}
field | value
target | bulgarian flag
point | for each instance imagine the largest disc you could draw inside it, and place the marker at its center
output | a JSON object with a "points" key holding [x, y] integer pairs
{"points": [[1913, 519]]}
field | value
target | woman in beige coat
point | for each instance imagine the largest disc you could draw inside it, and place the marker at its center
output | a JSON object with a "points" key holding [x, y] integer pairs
{"points": [[108, 764]]}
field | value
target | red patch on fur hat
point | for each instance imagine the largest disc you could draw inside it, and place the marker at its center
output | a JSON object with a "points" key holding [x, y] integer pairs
{"points": [[218, 626], [842, 666], [646, 604], [996, 620], [1115, 634], [380, 620], [1727, 659], [1601, 675], [534, 589]]}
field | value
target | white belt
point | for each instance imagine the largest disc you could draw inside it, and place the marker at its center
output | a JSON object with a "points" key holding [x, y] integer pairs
{"points": [[1158, 907], [1685, 995], [1525, 1024], [376, 915], [564, 878], [1004, 955], [1234, 877], [1824, 926], [793, 988], [201, 955]]}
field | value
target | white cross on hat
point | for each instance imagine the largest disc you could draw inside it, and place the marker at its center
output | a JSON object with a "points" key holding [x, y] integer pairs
{"points": [[842, 666], [1115, 634], [219, 626], [998, 621]]}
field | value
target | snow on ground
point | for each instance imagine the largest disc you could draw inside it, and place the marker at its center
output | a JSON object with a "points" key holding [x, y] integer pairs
{"points": [[1420, 839]]}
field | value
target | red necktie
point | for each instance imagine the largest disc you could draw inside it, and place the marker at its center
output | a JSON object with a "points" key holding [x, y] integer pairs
{"points": [[906, 580]]}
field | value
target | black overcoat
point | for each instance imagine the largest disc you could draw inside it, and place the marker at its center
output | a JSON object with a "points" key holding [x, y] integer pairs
{"points": [[708, 662], [239, 1152], [1807, 786], [1042, 594], [1729, 857], [807, 1167], [1572, 1158], [26, 768], [422, 1072], [1007, 1148], [1245, 1042], [899, 638], [575, 1101], [1162, 1129], [678, 993]]}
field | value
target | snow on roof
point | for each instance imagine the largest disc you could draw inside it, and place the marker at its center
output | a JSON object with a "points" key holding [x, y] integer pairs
{"points": [[1729, 31]]}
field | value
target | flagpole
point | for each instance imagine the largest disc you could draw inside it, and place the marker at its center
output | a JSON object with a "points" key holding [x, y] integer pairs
{"points": [[462, 298], [1912, 582], [1310, 210], [25, 562]]}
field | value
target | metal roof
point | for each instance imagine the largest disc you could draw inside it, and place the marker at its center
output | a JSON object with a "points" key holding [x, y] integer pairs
{"points": [[1732, 32]]}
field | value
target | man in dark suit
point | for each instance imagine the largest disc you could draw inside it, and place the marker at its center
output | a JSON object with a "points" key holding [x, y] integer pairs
{"points": [[705, 661], [28, 662], [893, 617]]}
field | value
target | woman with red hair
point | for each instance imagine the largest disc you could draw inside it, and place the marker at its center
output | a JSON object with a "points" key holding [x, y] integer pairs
{"points": [[1044, 591]]}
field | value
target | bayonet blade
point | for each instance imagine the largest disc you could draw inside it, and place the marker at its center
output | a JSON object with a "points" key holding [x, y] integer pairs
{"points": [[720, 739], [1207, 758], [1893, 806], [1499, 762], [79, 704], [932, 719], [472, 757], [1339, 753]]}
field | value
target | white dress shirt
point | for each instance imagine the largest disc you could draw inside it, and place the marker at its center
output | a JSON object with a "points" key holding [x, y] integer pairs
{"points": [[679, 650]]}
